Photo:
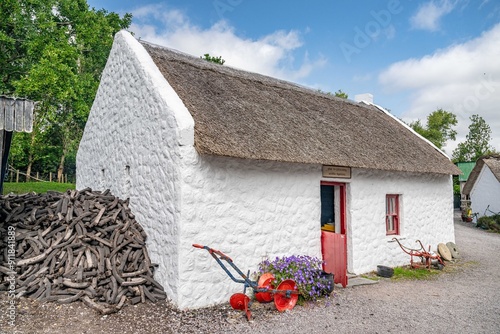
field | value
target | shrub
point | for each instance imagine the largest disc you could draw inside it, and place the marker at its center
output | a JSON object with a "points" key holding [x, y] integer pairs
{"points": [[489, 223], [304, 270]]}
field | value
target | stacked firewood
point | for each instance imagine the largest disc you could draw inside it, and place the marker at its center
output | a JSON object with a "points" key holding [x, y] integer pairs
{"points": [[80, 245]]}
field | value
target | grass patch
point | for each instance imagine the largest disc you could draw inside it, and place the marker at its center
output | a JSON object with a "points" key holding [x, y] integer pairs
{"points": [[414, 273], [36, 187]]}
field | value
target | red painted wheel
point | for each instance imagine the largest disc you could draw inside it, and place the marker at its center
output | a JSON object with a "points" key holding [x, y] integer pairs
{"points": [[239, 301], [281, 301], [265, 281]]}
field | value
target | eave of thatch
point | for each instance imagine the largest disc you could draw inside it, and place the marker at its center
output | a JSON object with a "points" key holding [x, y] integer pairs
{"points": [[493, 163], [251, 116]]}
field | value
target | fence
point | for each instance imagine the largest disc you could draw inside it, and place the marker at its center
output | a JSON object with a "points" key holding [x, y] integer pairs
{"points": [[15, 175]]}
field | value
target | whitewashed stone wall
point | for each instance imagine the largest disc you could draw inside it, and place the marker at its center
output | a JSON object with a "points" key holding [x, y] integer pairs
{"points": [[426, 207], [486, 191], [249, 210], [131, 146]]}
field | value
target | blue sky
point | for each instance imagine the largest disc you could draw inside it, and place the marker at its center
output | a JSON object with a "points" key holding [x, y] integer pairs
{"points": [[413, 56]]}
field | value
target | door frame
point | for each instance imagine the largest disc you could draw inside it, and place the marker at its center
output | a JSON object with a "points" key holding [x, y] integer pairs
{"points": [[334, 244]]}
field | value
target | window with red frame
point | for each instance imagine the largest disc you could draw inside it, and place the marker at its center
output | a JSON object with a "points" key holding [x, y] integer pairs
{"points": [[392, 214]]}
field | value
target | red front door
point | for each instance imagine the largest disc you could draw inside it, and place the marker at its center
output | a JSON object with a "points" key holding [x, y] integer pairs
{"points": [[333, 230]]}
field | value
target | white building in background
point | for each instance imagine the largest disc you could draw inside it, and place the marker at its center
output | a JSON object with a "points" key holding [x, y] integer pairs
{"points": [[483, 186]]}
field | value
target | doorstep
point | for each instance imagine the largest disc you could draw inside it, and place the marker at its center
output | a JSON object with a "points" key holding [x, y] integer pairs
{"points": [[354, 280]]}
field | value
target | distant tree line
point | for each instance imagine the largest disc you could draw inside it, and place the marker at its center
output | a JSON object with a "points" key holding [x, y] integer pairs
{"points": [[439, 129]]}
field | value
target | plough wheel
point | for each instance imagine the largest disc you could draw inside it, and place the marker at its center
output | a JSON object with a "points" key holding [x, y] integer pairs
{"points": [[240, 301], [281, 301], [265, 281]]}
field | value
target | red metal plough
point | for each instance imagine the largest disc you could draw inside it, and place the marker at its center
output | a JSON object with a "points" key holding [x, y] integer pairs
{"points": [[285, 296], [426, 257]]}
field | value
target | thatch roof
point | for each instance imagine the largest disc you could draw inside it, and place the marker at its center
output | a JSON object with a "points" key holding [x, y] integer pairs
{"points": [[492, 161], [251, 116]]}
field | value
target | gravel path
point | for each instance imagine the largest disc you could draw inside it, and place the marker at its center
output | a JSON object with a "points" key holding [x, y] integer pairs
{"points": [[463, 299], [466, 300]]}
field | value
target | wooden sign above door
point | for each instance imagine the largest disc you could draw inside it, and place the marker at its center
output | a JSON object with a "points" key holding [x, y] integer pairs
{"points": [[337, 172]]}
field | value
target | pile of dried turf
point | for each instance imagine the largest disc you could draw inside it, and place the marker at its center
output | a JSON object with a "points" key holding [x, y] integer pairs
{"points": [[79, 245]]}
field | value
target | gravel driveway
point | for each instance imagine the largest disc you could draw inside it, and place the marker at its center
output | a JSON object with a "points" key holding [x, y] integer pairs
{"points": [[464, 300]]}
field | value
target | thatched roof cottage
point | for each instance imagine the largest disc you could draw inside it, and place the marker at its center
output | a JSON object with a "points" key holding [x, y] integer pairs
{"points": [[256, 167], [483, 186]]}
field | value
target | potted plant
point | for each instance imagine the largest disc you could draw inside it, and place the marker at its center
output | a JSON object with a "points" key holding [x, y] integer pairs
{"points": [[467, 214]]}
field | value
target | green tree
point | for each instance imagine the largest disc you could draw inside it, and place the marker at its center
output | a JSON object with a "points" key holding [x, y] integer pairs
{"points": [[341, 94], [477, 142], [338, 93], [213, 59], [53, 52], [439, 127]]}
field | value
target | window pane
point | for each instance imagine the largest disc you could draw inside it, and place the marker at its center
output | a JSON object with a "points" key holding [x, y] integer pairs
{"points": [[327, 204], [392, 214], [390, 205]]}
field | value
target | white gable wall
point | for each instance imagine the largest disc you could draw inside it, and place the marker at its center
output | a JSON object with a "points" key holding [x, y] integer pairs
{"points": [[131, 146], [426, 207], [485, 191]]}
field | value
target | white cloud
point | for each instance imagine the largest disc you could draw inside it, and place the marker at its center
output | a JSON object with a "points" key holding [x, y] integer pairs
{"points": [[271, 55], [463, 79], [429, 14]]}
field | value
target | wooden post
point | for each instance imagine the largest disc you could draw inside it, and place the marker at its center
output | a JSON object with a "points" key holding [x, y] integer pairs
{"points": [[17, 175], [37, 176], [50, 177]]}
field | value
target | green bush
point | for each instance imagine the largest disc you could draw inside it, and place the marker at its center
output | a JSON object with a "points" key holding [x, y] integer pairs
{"points": [[489, 223]]}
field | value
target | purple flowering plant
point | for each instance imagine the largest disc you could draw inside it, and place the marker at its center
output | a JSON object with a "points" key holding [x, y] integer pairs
{"points": [[304, 270]]}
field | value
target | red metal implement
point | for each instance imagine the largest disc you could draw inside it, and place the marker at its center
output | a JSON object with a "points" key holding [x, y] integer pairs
{"points": [[426, 257], [285, 296]]}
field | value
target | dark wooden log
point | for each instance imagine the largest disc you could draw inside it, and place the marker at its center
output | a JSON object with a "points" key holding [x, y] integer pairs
{"points": [[102, 308], [71, 299], [76, 285], [121, 302], [149, 295], [34, 259], [134, 281]]}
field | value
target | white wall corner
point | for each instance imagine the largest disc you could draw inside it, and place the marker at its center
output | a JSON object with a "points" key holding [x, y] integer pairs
{"points": [[172, 101]]}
